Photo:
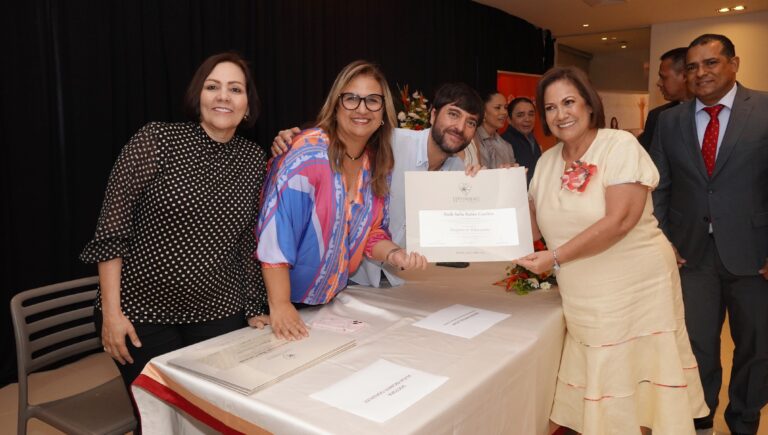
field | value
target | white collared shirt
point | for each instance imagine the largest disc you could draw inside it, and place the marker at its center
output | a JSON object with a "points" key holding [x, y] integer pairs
{"points": [[410, 150], [702, 117]]}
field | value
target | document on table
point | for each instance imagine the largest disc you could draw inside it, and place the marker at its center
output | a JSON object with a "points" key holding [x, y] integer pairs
{"points": [[453, 217], [461, 320], [380, 391], [250, 359]]}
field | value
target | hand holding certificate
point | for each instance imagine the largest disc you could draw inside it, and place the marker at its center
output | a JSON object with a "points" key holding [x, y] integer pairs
{"points": [[453, 217]]}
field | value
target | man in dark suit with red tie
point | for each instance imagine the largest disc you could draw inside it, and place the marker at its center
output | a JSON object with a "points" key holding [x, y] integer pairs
{"points": [[712, 203]]}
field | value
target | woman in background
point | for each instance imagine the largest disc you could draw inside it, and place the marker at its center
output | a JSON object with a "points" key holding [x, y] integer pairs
{"points": [[324, 203], [627, 361], [174, 238], [494, 151], [522, 118], [470, 156]]}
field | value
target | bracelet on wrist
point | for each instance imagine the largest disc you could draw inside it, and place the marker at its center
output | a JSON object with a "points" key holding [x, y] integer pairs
{"points": [[555, 266], [391, 253]]}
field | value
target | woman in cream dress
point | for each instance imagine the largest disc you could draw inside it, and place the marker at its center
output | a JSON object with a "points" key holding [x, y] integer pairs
{"points": [[627, 362]]}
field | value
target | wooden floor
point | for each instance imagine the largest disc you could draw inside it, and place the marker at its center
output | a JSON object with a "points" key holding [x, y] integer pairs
{"points": [[726, 356], [46, 386], [99, 368]]}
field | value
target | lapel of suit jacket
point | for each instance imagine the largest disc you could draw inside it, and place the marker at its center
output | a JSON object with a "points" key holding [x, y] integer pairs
{"points": [[691, 137], [535, 147], [736, 123]]}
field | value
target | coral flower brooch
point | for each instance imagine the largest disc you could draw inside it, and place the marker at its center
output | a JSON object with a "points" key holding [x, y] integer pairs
{"points": [[577, 176]]}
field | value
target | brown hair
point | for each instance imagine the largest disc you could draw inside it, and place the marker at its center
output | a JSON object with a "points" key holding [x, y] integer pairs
{"points": [[192, 96], [462, 96], [379, 146], [581, 82]]}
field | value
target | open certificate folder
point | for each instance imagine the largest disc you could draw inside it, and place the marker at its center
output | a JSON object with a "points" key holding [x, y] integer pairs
{"points": [[248, 359], [450, 216]]}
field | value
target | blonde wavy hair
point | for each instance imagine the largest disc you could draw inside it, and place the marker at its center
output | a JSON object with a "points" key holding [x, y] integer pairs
{"points": [[379, 146]]}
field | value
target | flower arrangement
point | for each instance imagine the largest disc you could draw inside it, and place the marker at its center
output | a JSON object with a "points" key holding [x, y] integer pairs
{"points": [[415, 114], [522, 281], [576, 177]]}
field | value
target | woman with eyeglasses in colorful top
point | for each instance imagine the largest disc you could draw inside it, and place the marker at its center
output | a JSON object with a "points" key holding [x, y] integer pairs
{"points": [[325, 201]]}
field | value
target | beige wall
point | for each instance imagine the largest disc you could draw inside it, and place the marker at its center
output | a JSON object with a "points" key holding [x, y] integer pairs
{"points": [[568, 56], [623, 70], [749, 33]]}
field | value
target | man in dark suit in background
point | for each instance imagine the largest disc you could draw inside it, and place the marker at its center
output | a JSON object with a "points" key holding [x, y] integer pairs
{"points": [[712, 203], [673, 87]]}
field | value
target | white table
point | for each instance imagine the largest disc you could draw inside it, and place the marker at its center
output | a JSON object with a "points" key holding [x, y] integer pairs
{"points": [[501, 381]]}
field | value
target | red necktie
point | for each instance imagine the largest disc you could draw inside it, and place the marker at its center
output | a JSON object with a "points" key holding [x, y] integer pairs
{"points": [[709, 145]]}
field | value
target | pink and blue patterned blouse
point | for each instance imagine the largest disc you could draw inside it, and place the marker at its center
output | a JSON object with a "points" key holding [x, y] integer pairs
{"points": [[307, 224]]}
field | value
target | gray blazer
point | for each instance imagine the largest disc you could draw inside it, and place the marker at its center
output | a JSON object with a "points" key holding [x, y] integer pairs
{"points": [[735, 198]]}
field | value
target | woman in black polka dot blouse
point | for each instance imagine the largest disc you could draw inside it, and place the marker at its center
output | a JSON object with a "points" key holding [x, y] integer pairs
{"points": [[174, 240]]}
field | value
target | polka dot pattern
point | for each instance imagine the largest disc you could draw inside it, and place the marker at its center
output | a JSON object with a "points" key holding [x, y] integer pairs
{"points": [[180, 209], [709, 145]]}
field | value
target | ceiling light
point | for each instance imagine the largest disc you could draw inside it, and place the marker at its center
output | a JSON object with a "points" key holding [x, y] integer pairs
{"points": [[613, 38], [724, 10], [604, 38], [623, 45], [739, 8], [585, 25]]}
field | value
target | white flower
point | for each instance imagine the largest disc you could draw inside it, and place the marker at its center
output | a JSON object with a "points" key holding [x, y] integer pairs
{"points": [[416, 94], [401, 116], [413, 115], [534, 282], [546, 286]]}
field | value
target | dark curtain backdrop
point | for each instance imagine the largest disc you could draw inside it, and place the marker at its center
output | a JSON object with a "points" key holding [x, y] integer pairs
{"points": [[79, 77]]}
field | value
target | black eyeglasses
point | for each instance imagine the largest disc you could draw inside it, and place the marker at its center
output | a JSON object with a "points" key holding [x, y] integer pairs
{"points": [[373, 102]]}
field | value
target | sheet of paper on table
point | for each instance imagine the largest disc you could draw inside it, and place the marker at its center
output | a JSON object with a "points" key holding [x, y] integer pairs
{"points": [[248, 359], [380, 391], [453, 217], [343, 325], [461, 320]]}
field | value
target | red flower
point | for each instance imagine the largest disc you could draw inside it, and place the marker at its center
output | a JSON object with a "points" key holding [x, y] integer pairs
{"points": [[576, 177], [522, 281]]}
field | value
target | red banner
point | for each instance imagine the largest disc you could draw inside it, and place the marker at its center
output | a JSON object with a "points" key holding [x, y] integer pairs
{"points": [[513, 85]]}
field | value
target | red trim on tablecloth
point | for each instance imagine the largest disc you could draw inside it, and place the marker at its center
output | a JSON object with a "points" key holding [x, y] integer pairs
{"points": [[171, 397]]}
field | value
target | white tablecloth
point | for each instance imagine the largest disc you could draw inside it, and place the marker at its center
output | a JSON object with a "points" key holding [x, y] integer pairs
{"points": [[501, 381]]}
